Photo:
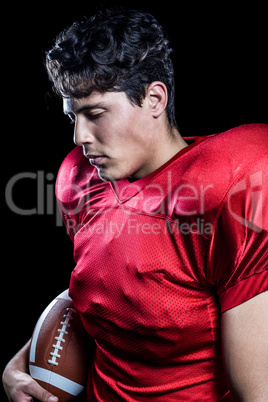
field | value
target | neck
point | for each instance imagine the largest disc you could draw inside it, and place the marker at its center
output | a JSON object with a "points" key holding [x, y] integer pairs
{"points": [[164, 148], [173, 144]]}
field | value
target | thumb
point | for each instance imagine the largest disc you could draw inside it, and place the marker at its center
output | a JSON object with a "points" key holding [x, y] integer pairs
{"points": [[41, 394]]}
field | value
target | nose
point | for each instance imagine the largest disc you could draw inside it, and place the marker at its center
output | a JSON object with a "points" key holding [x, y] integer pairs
{"points": [[82, 133]]}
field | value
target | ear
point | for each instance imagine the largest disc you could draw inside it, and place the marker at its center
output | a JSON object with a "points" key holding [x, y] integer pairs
{"points": [[158, 97]]}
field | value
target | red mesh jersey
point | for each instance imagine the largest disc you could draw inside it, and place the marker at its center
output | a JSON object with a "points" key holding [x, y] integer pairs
{"points": [[159, 259]]}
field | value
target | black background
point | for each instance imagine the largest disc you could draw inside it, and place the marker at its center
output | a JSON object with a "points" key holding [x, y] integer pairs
{"points": [[221, 82]]}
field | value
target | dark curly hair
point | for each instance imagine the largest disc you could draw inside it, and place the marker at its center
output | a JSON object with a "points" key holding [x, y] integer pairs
{"points": [[115, 50]]}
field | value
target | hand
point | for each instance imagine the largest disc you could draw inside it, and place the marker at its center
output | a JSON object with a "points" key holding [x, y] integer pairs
{"points": [[19, 385]]}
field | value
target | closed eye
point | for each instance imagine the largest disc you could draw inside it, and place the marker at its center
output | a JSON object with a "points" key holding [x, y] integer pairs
{"points": [[93, 116]]}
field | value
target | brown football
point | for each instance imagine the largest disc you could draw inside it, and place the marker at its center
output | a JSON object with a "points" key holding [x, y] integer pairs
{"points": [[59, 350]]}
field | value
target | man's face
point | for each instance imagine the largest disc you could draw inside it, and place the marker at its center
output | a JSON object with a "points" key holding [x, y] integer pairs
{"points": [[116, 136]]}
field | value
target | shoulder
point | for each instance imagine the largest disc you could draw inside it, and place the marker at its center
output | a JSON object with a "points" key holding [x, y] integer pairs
{"points": [[225, 156], [73, 159], [243, 144], [231, 150], [238, 173], [75, 173], [208, 172]]}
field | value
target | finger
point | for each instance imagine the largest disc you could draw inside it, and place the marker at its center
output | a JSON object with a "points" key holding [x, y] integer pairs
{"points": [[42, 395]]}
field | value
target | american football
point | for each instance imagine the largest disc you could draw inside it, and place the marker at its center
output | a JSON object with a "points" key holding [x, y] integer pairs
{"points": [[58, 358]]}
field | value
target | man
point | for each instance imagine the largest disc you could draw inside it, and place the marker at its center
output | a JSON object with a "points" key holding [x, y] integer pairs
{"points": [[170, 238]]}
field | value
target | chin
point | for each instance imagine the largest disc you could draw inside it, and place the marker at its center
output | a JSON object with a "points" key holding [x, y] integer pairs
{"points": [[106, 176], [114, 172]]}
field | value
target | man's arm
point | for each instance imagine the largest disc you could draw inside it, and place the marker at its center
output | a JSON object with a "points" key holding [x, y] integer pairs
{"points": [[245, 349], [19, 385]]}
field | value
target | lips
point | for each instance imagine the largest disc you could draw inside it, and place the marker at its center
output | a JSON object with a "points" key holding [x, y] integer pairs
{"points": [[96, 160]]}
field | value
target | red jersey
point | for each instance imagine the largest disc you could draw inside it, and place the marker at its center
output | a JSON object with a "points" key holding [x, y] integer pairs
{"points": [[158, 260]]}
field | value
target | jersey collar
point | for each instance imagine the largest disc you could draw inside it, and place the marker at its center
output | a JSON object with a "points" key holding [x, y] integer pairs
{"points": [[125, 189]]}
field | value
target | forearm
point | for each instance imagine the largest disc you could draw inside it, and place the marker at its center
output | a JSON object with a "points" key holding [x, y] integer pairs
{"points": [[18, 384], [12, 373], [20, 360]]}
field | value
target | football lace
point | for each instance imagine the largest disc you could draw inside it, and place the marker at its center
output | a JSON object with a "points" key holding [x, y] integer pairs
{"points": [[62, 331]]}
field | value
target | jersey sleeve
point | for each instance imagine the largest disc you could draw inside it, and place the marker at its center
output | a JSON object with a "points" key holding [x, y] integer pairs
{"points": [[68, 190], [238, 252], [78, 188]]}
